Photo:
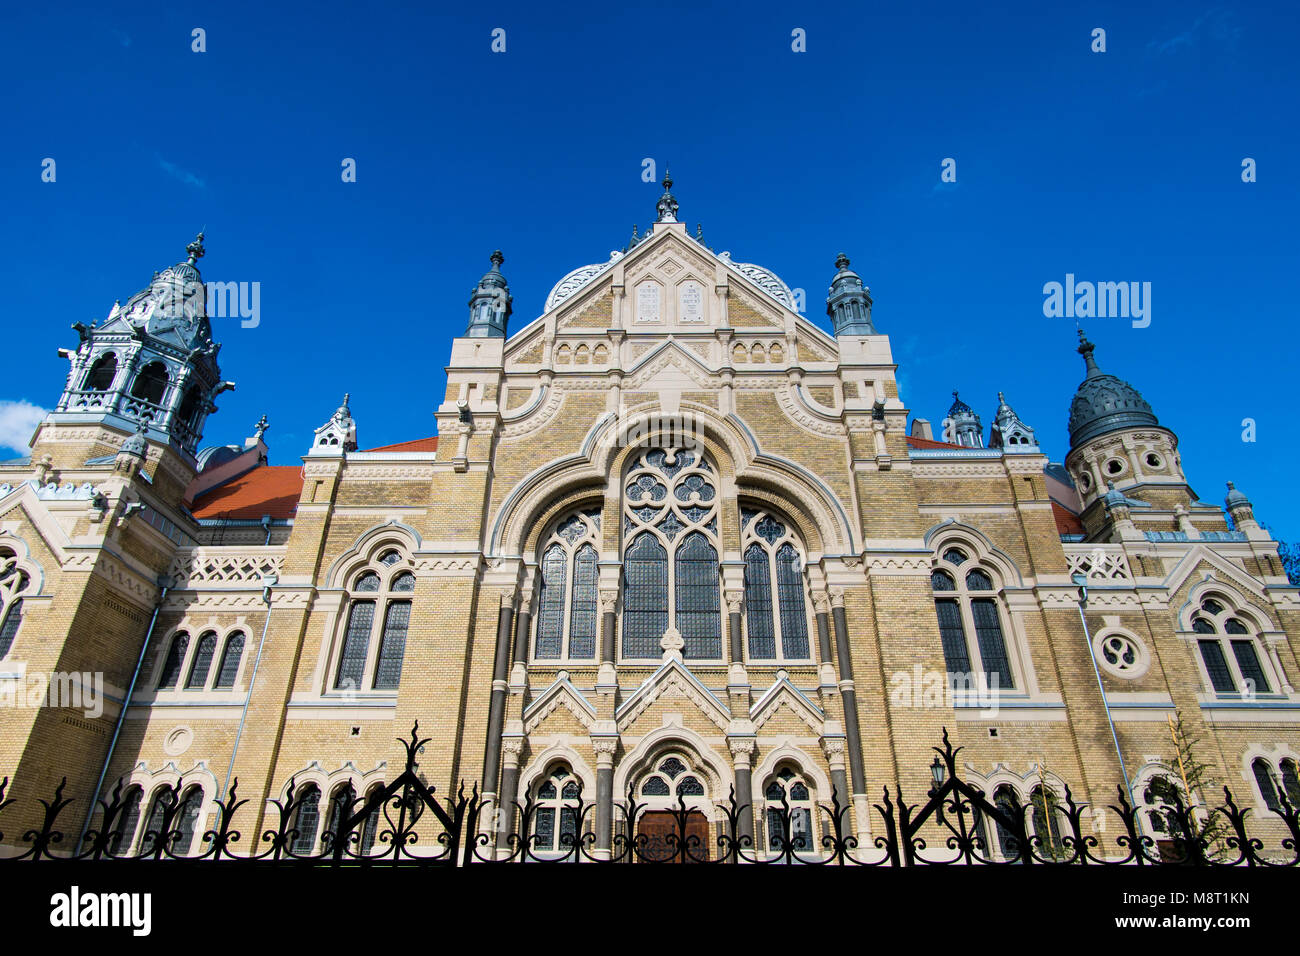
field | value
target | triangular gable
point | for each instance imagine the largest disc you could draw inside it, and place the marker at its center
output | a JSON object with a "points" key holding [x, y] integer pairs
{"points": [[672, 673], [784, 694], [650, 368], [562, 693], [24, 497], [1186, 567]]}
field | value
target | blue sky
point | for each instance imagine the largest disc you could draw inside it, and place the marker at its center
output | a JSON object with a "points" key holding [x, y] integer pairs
{"points": [[1115, 166]]}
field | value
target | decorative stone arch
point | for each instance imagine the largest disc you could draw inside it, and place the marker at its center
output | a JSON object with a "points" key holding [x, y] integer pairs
{"points": [[822, 521], [366, 549], [786, 751], [954, 532], [1210, 587], [151, 783], [331, 781], [25, 563], [641, 759], [1273, 756], [545, 760]]}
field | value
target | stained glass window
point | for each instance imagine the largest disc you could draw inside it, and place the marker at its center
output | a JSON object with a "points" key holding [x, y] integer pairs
{"points": [[953, 635], [127, 820], [171, 671], [1290, 781], [356, 642], [203, 655], [699, 618], [1267, 785], [307, 821], [758, 603], [1248, 663], [186, 820], [230, 661], [1216, 665], [645, 597], [392, 646], [586, 601], [962, 617], [993, 649], [794, 614]]}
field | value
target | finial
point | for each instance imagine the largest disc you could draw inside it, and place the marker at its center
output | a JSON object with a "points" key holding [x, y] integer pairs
{"points": [[195, 249], [699, 233], [1085, 349], [497, 258], [1231, 486], [667, 205], [668, 179], [1001, 400], [841, 261], [954, 395], [261, 427]]}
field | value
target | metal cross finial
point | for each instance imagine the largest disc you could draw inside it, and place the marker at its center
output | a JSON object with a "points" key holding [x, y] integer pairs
{"points": [[260, 428], [668, 179], [841, 261], [497, 258]]}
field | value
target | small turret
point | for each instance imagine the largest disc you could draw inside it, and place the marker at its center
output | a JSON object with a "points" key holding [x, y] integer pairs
{"points": [[490, 305], [848, 303], [962, 426]]}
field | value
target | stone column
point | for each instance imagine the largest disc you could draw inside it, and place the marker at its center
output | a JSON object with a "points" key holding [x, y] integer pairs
{"points": [[605, 747], [497, 707], [850, 698], [833, 747], [742, 755], [733, 626], [511, 747]]}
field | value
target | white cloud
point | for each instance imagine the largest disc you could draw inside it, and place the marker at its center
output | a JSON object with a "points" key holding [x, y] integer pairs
{"points": [[18, 421]]}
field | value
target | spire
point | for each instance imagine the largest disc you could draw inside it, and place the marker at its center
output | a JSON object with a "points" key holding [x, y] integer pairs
{"points": [[667, 205], [1085, 349], [337, 435], [1009, 432], [490, 303], [963, 426], [848, 302]]}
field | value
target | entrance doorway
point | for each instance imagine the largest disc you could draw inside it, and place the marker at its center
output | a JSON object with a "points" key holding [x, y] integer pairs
{"points": [[661, 842]]}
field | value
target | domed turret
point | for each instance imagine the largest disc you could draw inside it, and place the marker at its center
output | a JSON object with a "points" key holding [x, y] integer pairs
{"points": [[490, 305], [962, 426], [1104, 403], [848, 302]]}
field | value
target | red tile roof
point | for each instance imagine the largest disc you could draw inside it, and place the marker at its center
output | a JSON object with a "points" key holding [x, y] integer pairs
{"points": [[269, 490], [915, 442], [419, 444], [1066, 521]]}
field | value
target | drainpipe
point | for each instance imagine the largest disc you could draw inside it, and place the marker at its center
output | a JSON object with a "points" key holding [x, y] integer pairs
{"points": [[164, 583], [1082, 581], [268, 581]]}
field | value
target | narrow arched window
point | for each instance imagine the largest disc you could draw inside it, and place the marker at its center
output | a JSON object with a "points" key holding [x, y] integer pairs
{"points": [[1230, 650], [370, 826], [306, 821], [1290, 781], [966, 606], [163, 799], [1046, 826], [14, 583], [101, 374], [175, 660], [1004, 798], [191, 406], [670, 516], [787, 788], [203, 654], [378, 619], [555, 822], [151, 383], [568, 589], [186, 821], [1266, 783], [127, 820], [340, 809], [776, 629], [392, 644], [230, 657]]}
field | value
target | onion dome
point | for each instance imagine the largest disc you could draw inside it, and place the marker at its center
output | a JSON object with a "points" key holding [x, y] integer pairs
{"points": [[848, 301], [667, 204], [1104, 403], [490, 304], [1234, 498]]}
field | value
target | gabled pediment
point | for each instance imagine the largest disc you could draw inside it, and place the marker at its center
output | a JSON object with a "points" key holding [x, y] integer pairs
{"points": [[672, 679], [784, 694], [562, 693]]}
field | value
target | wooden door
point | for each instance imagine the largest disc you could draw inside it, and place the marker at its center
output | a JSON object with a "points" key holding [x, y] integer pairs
{"points": [[657, 826]]}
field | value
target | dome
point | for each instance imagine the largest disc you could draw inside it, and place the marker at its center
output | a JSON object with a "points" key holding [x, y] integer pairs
{"points": [[1234, 498], [174, 306], [1104, 403]]}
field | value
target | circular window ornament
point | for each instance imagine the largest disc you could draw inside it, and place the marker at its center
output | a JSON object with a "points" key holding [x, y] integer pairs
{"points": [[1154, 461], [1114, 467], [178, 741], [1122, 655], [1085, 480]]}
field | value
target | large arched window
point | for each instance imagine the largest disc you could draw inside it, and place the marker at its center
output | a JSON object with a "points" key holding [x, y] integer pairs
{"points": [[14, 583], [776, 612], [1230, 650], [374, 636], [555, 821], [670, 521], [970, 622], [567, 597]]}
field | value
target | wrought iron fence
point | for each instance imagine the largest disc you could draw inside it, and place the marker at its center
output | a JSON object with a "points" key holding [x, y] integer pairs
{"points": [[389, 827]]}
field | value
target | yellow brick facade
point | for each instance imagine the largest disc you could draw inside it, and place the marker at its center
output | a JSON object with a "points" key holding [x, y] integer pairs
{"points": [[794, 422]]}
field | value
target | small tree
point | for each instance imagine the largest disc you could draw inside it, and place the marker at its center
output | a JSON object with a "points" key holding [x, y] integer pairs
{"points": [[1290, 555], [1194, 778]]}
